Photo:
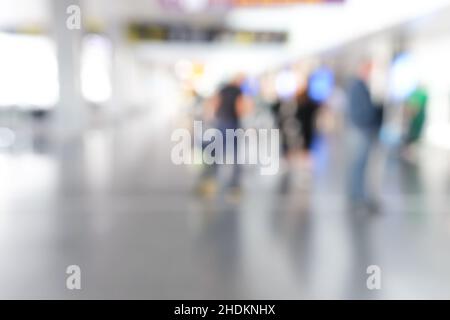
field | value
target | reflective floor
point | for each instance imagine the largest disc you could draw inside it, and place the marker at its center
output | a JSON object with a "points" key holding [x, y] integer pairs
{"points": [[115, 205]]}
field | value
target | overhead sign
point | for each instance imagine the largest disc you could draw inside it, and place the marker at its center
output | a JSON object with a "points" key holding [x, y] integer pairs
{"points": [[186, 33]]}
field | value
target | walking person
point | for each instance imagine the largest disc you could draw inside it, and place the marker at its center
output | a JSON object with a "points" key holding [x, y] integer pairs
{"points": [[228, 106]]}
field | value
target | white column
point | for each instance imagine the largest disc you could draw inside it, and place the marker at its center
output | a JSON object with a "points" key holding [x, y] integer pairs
{"points": [[70, 118], [118, 72]]}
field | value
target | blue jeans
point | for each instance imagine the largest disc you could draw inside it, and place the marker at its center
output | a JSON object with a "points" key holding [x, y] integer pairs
{"points": [[212, 170], [364, 141]]}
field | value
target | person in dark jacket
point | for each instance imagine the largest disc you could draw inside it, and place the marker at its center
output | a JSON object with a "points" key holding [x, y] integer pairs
{"points": [[365, 118], [229, 105], [307, 110]]}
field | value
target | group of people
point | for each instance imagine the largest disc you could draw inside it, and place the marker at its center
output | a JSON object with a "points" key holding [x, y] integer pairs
{"points": [[296, 119]]}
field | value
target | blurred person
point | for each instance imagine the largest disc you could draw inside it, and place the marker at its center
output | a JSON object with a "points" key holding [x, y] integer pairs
{"points": [[306, 115], [262, 102], [415, 116], [296, 120], [365, 119], [337, 104], [283, 112], [226, 109]]}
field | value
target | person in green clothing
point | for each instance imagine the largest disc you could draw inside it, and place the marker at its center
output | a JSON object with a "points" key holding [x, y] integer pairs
{"points": [[416, 107]]}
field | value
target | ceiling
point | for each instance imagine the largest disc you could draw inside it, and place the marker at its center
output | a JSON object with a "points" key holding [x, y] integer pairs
{"points": [[311, 27]]}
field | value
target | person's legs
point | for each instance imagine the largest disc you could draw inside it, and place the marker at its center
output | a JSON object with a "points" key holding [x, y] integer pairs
{"points": [[308, 136], [209, 171], [358, 192], [207, 184], [236, 170]]}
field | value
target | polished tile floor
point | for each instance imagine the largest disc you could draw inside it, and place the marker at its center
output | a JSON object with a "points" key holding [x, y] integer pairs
{"points": [[114, 204]]}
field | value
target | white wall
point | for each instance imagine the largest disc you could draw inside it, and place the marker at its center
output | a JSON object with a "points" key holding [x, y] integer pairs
{"points": [[432, 56]]}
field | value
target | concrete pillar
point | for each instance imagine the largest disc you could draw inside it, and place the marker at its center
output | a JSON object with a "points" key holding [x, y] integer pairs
{"points": [[116, 29], [117, 73], [70, 117]]}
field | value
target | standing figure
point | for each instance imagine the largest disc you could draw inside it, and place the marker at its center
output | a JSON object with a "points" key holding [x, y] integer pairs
{"points": [[366, 119], [228, 106]]}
